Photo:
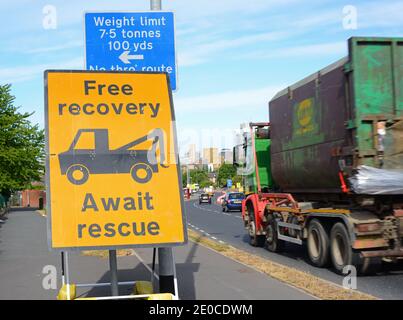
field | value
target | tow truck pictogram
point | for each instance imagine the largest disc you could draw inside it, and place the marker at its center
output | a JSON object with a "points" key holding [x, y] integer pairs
{"points": [[78, 164]]}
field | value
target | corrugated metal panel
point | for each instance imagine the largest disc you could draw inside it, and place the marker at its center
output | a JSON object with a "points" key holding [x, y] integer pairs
{"points": [[377, 79], [307, 127], [331, 119], [311, 77]]}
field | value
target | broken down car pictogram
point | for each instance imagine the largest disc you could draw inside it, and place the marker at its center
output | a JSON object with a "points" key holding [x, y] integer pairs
{"points": [[77, 164]]}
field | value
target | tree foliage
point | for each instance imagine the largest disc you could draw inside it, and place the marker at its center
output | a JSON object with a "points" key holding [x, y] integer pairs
{"points": [[197, 176], [21, 146], [226, 171]]}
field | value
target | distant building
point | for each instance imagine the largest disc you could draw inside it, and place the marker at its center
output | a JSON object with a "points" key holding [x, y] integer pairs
{"points": [[32, 198], [191, 154], [210, 157], [226, 156]]}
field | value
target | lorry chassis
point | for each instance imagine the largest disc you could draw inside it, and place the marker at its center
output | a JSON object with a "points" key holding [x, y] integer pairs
{"points": [[338, 236]]}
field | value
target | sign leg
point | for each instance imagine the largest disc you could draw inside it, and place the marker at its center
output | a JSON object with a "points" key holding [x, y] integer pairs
{"points": [[67, 273], [63, 273], [166, 270], [113, 266]]}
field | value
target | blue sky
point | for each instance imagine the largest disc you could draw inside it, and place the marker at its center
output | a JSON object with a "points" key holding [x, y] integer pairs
{"points": [[233, 55]]}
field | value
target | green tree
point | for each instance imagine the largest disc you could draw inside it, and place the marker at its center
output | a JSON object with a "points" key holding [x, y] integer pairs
{"points": [[197, 176], [184, 178], [226, 171], [21, 146]]}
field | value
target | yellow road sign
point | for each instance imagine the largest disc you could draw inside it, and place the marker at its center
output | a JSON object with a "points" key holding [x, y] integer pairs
{"points": [[113, 177]]}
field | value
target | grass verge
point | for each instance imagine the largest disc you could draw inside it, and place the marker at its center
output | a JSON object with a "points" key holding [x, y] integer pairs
{"points": [[105, 253], [311, 284]]}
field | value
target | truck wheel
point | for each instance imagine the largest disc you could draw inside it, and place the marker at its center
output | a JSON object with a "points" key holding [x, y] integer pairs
{"points": [[141, 173], [254, 239], [77, 174], [273, 243], [318, 244], [341, 251], [343, 255]]}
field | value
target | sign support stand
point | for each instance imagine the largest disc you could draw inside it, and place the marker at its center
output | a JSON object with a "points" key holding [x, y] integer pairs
{"points": [[166, 262], [66, 271], [63, 277], [166, 270], [113, 266]]}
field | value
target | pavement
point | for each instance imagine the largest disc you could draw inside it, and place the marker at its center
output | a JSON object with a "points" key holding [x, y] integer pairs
{"points": [[228, 228], [202, 273]]}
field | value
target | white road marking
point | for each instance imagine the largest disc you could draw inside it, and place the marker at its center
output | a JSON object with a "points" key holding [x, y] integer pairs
{"points": [[215, 211], [146, 265]]}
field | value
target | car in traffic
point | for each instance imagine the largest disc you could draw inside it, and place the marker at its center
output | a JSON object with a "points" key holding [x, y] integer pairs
{"points": [[232, 201], [204, 198]]}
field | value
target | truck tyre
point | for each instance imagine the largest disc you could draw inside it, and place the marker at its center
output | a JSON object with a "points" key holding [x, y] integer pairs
{"points": [[273, 243], [77, 174], [318, 244], [136, 173], [341, 251], [254, 239], [340, 247], [343, 255]]}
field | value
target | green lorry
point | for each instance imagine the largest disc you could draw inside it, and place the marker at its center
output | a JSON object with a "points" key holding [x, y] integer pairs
{"points": [[328, 168]]}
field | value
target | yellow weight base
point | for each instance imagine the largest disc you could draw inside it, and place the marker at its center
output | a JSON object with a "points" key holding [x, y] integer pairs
{"points": [[62, 295], [161, 296], [143, 287]]}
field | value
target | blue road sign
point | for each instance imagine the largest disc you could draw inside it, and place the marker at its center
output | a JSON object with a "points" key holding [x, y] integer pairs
{"points": [[229, 183], [131, 41]]}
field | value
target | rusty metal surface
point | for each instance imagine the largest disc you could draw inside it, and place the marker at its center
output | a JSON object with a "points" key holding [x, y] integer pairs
{"points": [[307, 130], [369, 243], [382, 253], [347, 114], [393, 146]]}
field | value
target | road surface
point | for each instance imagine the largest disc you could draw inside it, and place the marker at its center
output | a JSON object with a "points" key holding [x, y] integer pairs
{"points": [[228, 227], [202, 273]]}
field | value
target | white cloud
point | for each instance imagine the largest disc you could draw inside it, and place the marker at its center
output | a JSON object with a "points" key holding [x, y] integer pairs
{"points": [[205, 51], [233, 100], [64, 46], [381, 14], [338, 48], [28, 72]]}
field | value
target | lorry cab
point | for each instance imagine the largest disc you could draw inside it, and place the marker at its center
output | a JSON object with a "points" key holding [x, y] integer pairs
{"points": [[254, 152]]}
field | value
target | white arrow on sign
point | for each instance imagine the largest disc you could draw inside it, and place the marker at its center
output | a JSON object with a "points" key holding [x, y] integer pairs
{"points": [[125, 57]]}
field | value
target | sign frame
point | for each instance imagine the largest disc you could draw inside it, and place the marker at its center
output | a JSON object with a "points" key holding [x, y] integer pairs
{"points": [[47, 169], [134, 11]]}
